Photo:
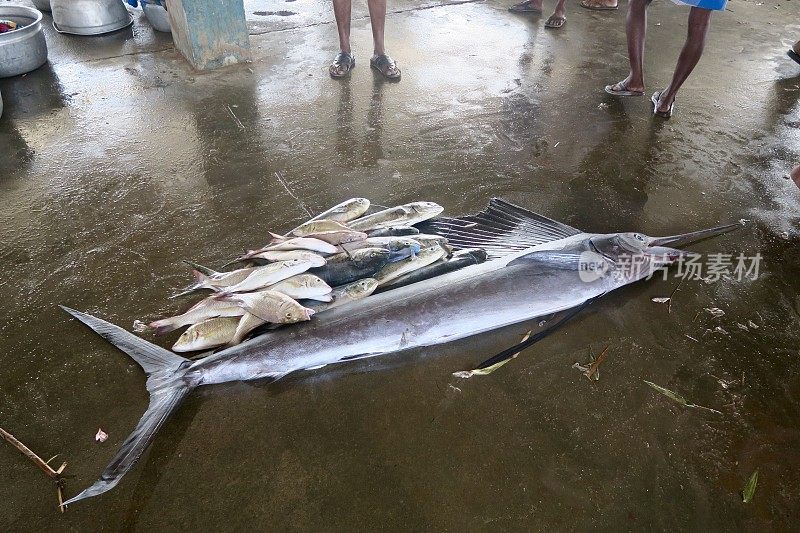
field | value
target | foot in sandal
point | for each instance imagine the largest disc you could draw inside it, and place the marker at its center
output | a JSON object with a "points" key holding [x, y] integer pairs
{"points": [[558, 18], [599, 5], [794, 52], [386, 66], [661, 106], [626, 87], [528, 6], [342, 64]]}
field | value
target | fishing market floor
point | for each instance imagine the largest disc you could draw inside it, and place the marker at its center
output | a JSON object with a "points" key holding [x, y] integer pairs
{"points": [[118, 161]]}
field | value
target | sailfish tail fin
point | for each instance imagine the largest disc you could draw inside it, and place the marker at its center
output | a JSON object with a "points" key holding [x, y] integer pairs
{"points": [[167, 389]]}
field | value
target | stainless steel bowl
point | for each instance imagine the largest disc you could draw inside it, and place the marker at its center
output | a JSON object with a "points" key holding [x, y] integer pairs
{"points": [[157, 15], [89, 17], [23, 49], [42, 5]]}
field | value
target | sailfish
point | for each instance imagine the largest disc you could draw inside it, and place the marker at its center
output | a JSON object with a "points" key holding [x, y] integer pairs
{"points": [[537, 267]]}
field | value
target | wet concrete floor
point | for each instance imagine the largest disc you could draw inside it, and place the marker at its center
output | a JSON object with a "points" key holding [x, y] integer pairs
{"points": [[118, 161]]}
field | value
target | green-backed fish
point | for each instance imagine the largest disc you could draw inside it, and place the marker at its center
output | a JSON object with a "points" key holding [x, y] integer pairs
{"points": [[345, 211], [207, 334], [460, 259], [400, 247], [425, 257], [317, 226], [402, 231], [431, 240], [402, 215], [345, 294], [348, 267]]}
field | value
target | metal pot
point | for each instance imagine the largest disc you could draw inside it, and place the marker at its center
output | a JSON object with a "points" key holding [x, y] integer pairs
{"points": [[42, 5], [23, 49], [157, 15], [89, 17]]}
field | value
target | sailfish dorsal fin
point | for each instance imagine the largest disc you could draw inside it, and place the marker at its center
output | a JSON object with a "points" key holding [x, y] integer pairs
{"points": [[500, 229]]}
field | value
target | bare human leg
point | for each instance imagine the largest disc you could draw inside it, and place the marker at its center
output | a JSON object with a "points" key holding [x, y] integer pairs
{"points": [[636, 31], [380, 60], [699, 22], [377, 18], [344, 61], [342, 12]]}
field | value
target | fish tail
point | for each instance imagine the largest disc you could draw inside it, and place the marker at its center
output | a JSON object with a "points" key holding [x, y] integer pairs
{"points": [[163, 326], [200, 283], [277, 238], [166, 384], [234, 261], [200, 268]]}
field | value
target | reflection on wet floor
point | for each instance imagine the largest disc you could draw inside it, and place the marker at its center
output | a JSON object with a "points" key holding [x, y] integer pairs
{"points": [[118, 162]]}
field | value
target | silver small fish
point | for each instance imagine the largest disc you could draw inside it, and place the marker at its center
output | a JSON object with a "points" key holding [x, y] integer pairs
{"points": [[271, 306], [210, 307], [345, 211], [346, 294], [302, 243], [332, 237], [317, 226], [246, 324], [303, 286], [205, 278], [207, 334], [402, 215], [272, 273], [287, 255]]}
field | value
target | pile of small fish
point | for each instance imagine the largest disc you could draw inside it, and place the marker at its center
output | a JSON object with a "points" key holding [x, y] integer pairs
{"points": [[7, 26], [337, 257]]}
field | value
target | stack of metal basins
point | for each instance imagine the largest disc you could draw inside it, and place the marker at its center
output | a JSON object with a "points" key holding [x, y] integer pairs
{"points": [[89, 17], [23, 49]]}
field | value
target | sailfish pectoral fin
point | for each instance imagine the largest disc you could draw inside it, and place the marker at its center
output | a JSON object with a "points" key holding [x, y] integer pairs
{"points": [[509, 353]]}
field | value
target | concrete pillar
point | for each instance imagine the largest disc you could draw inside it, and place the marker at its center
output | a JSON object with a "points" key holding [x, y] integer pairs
{"points": [[210, 33]]}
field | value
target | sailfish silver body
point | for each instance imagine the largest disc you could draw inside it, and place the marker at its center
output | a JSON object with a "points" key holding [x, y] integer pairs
{"points": [[537, 269]]}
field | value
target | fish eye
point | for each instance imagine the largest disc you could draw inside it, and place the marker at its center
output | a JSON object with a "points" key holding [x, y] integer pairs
{"points": [[288, 315], [639, 237]]}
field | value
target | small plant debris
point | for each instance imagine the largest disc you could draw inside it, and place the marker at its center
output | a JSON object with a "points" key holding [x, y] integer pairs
{"points": [[675, 397], [464, 374], [750, 488], [56, 475], [592, 370]]}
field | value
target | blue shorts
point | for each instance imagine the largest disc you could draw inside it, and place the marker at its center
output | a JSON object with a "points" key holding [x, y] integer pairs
{"points": [[716, 5]]}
